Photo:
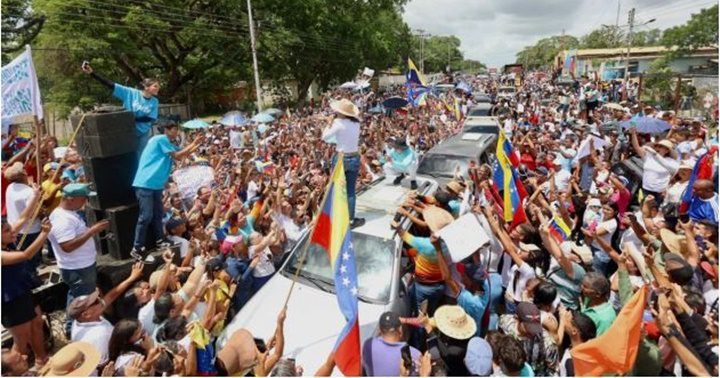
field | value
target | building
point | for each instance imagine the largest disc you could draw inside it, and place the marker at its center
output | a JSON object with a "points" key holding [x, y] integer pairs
{"points": [[610, 63]]}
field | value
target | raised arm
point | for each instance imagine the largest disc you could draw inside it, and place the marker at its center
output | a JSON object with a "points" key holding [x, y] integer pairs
{"points": [[635, 144], [444, 270], [11, 258], [115, 292]]}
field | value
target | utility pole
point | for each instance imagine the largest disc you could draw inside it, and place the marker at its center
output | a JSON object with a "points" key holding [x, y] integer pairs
{"points": [[421, 34], [617, 16], [254, 55], [631, 21]]}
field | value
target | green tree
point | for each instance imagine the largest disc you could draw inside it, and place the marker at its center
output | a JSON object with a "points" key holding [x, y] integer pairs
{"points": [[658, 86], [650, 37], [20, 26], [544, 51], [700, 31], [439, 53], [472, 66], [603, 38]]}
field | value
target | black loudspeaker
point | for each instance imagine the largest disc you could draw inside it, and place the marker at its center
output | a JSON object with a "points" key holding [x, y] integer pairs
{"points": [[111, 177], [121, 232], [92, 216], [108, 131]]}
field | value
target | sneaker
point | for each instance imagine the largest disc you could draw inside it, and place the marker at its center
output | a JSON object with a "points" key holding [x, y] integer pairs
{"points": [[137, 253], [413, 185], [398, 179], [163, 243], [357, 222]]}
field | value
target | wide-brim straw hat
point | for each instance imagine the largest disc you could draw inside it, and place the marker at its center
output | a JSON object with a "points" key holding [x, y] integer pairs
{"points": [[454, 322], [673, 242], [455, 187], [669, 145], [436, 218], [345, 107], [77, 359]]}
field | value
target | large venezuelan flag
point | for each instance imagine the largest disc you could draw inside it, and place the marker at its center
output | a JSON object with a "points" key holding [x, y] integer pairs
{"points": [[507, 181], [413, 75], [559, 229], [332, 233]]}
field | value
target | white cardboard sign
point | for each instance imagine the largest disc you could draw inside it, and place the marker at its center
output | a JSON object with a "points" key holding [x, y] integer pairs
{"points": [[464, 236]]}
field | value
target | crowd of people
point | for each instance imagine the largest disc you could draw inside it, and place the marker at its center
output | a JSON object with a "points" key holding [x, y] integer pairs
{"points": [[549, 283]]}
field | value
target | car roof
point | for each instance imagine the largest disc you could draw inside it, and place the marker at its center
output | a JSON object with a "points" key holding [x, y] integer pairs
{"points": [[481, 121], [482, 105], [457, 146]]}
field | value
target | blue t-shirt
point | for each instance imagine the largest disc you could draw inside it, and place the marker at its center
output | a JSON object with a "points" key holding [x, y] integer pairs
{"points": [[475, 305], [704, 209], [155, 164], [134, 101]]}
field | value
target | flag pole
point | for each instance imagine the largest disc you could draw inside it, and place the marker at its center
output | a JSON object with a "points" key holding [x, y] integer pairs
{"points": [[340, 156], [54, 177], [38, 138]]}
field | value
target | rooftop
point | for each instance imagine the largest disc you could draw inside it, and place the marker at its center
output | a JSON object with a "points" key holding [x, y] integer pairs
{"points": [[645, 51]]}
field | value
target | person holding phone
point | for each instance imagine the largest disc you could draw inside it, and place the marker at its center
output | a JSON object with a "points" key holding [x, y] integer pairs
{"points": [[382, 355], [143, 103]]}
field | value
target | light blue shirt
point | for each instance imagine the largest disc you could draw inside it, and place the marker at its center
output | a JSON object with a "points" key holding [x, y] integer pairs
{"points": [[402, 159], [475, 305], [134, 101], [155, 164]]}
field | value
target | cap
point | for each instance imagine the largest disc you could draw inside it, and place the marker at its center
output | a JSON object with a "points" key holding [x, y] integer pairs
{"points": [[478, 358], [76, 190], [173, 223], [542, 171], [709, 269], [82, 303], [594, 202], [49, 166], [389, 321], [529, 315], [215, 264]]}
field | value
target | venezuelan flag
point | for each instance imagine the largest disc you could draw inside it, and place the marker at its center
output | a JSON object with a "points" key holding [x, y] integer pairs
{"points": [[703, 170], [414, 76], [559, 229], [507, 181], [332, 233]]}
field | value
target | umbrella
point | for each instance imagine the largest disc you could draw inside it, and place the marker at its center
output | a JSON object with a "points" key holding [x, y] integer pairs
{"points": [[395, 103], [263, 118], [614, 106], [233, 118], [348, 85], [647, 125], [196, 124], [273, 111]]}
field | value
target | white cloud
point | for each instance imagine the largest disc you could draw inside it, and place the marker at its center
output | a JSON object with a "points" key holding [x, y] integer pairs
{"points": [[493, 31]]}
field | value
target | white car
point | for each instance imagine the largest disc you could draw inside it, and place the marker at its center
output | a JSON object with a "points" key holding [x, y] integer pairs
{"points": [[313, 318]]}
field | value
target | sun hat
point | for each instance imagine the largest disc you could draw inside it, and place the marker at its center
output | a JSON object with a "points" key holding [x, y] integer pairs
{"points": [[14, 171], [82, 303], [478, 358], [436, 218], [529, 316], [454, 322], [686, 164], [673, 242], [77, 359], [455, 187], [345, 107], [529, 247], [581, 251], [669, 145]]}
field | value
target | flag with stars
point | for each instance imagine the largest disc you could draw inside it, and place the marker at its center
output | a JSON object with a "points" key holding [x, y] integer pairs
{"points": [[332, 233], [507, 181]]}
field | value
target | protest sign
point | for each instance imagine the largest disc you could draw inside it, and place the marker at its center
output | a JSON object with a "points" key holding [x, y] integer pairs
{"points": [[368, 72], [236, 139], [584, 149], [190, 179], [20, 91], [464, 236]]}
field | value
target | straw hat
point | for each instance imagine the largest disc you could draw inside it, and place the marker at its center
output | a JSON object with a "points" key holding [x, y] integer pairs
{"points": [[455, 187], [454, 322], [14, 171], [77, 359], [345, 107], [436, 218], [669, 145], [673, 242], [581, 251]]}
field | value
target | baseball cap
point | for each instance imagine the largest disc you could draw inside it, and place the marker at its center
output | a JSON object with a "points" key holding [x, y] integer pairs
{"points": [[389, 321], [82, 303], [173, 223], [529, 316], [478, 358], [76, 190]]}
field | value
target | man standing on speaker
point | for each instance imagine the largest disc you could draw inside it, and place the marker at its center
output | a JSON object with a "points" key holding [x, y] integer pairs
{"points": [[153, 173], [143, 103], [72, 242]]}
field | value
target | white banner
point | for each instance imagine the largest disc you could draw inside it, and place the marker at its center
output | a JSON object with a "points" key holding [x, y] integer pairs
{"points": [[190, 179], [464, 236], [236, 139], [20, 91]]}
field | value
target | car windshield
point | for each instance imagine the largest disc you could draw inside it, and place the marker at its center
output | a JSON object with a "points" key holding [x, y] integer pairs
{"points": [[374, 257], [440, 165], [482, 129], [479, 112]]}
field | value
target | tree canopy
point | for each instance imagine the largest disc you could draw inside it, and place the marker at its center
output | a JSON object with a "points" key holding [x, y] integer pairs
{"points": [[701, 30]]}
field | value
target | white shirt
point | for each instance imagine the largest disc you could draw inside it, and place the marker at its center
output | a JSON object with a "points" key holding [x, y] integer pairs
{"points": [[562, 180], [292, 230], [146, 315], [184, 244], [17, 197], [344, 133], [265, 266], [657, 171], [252, 190], [67, 225], [515, 289], [95, 333], [610, 226], [508, 126], [675, 192]]}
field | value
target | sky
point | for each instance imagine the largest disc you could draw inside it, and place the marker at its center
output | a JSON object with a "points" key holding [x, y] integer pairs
{"points": [[493, 31]]}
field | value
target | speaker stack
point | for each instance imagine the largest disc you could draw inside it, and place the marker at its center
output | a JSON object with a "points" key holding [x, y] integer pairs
{"points": [[107, 143]]}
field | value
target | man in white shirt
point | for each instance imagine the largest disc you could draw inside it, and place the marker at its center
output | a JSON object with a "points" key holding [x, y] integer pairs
{"points": [[71, 240], [17, 197], [89, 324]]}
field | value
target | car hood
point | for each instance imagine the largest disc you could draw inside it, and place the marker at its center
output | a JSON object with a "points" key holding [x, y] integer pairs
{"points": [[312, 325]]}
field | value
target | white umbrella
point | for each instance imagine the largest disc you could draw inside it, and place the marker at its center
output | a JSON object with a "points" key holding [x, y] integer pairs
{"points": [[348, 85]]}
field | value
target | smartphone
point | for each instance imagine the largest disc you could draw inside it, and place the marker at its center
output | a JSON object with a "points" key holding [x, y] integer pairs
{"points": [[424, 306], [85, 64], [406, 357], [260, 344]]}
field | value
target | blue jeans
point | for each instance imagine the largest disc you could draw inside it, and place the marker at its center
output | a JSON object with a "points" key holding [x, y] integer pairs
{"points": [[433, 294], [142, 142], [151, 214], [352, 170], [600, 261], [80, 282]]}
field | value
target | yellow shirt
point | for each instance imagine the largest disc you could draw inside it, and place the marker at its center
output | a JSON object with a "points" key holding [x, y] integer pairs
{"points": [[47, 187]]}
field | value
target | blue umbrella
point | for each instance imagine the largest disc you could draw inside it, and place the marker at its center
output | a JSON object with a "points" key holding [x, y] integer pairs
{"points": [[647, 125], [263, 118], [273, 111], [395, 103], [233, 118], [196, 124]]}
